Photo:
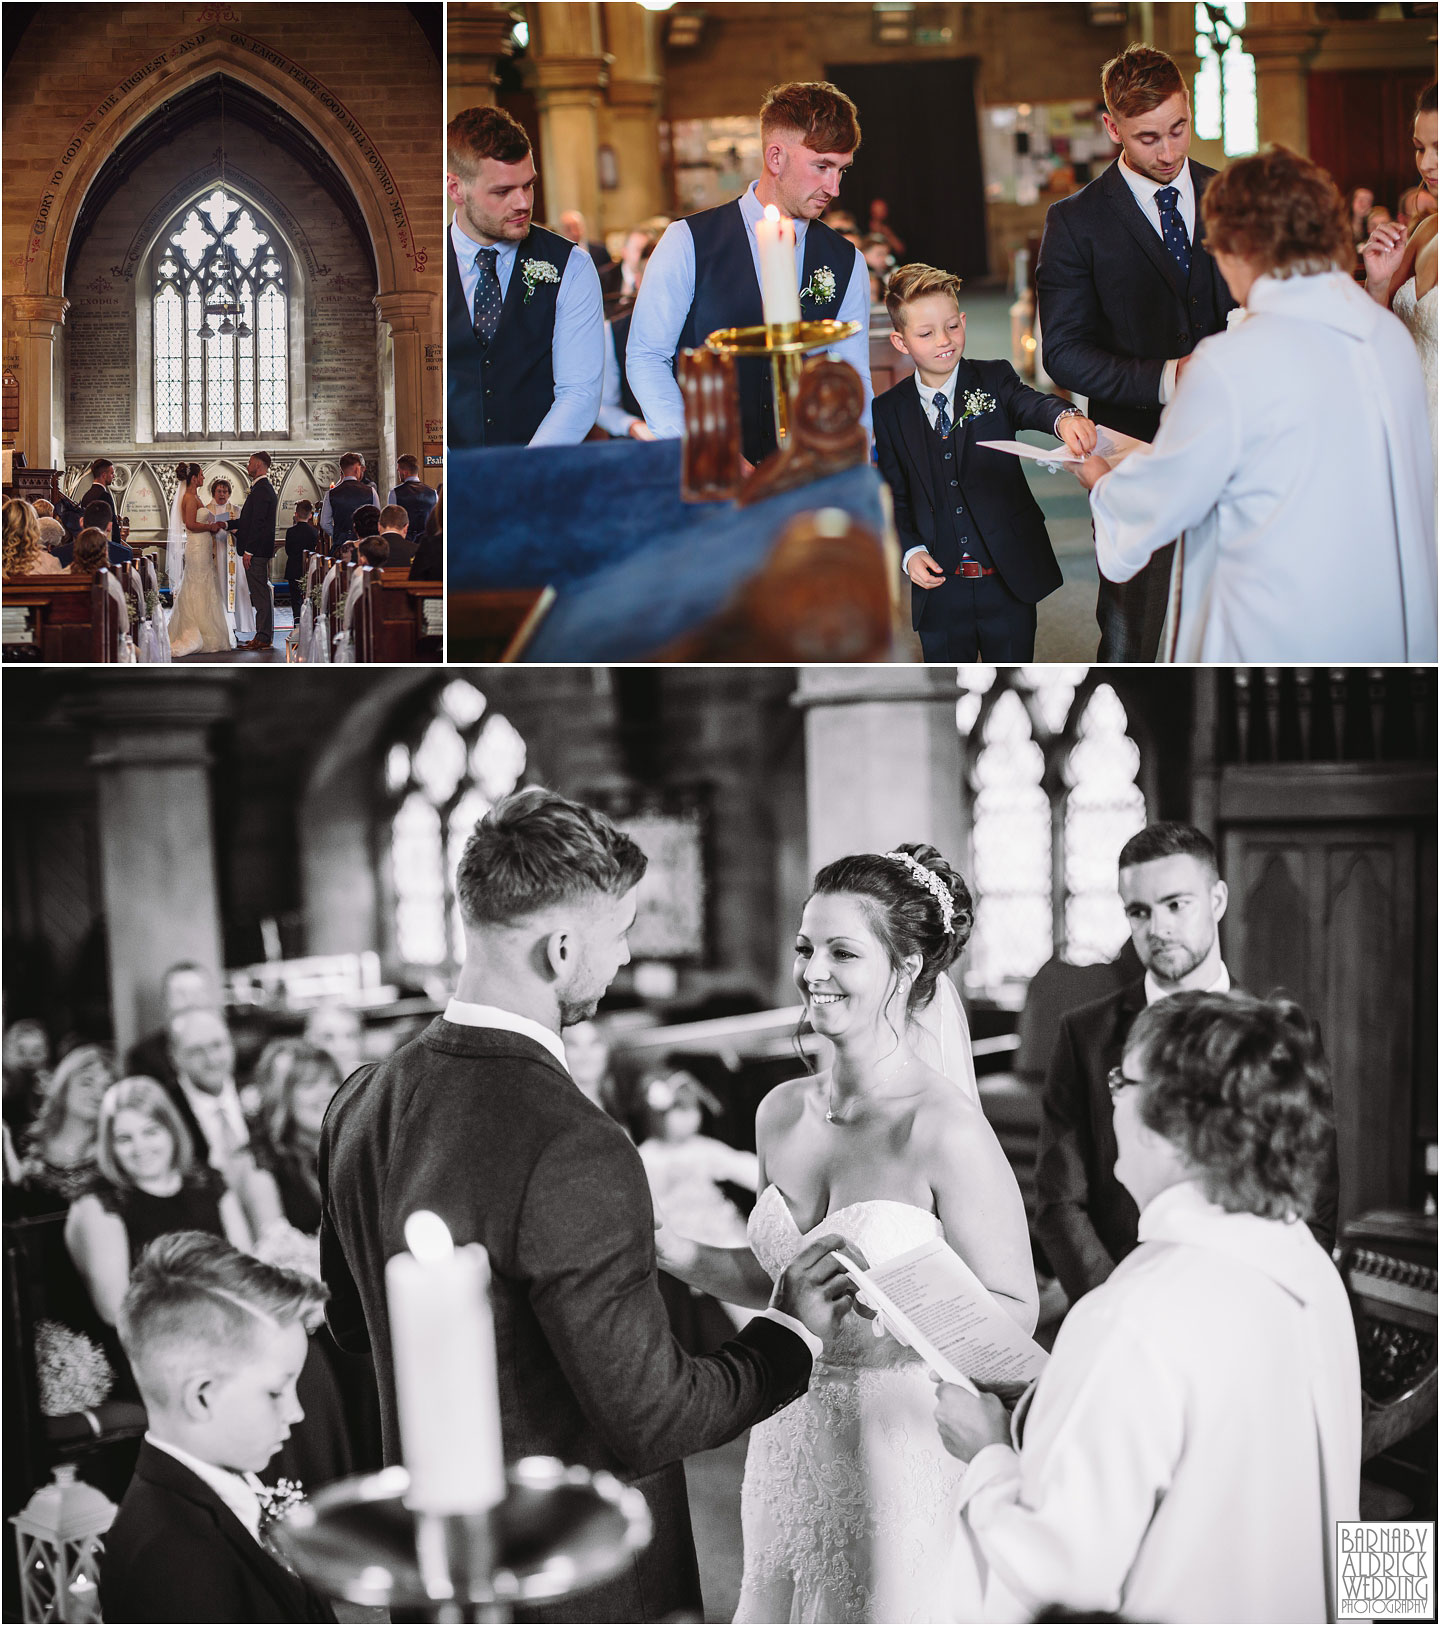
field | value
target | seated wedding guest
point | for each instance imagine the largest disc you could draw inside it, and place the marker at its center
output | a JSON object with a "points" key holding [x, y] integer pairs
{"points": [[1269, 570], [27, 1072], [365, 521], [572, 225], [58, 1153], [1400, 269], [972, 537], [25, 554], [338, 1391], [1415, 203], [337, 1028], [587, 1055], [91, 552], [524, 325], [217, 1341], [1359, 204], [338, 511], [375, 552], [880, 262], [1378, 216], [880, 226], [620, 413], [52, 535], [185, 986], [300, 538], [428, 565], [208, 1102], [705, 271], [151, 1183], [394, 526], [413, 495], [1195, 1436], [639, 243], [102, 518]]}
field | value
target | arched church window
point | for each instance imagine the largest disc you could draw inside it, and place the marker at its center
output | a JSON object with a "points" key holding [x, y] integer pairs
{"points": [[1052, 795], [1226, 109], [220, 323], [457, 759]]}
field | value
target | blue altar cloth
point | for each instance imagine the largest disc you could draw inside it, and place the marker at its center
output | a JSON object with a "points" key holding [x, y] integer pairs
{"points": [[633, 566]]}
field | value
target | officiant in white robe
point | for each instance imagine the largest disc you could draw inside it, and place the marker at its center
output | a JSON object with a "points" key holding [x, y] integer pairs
{"points": [[1295, 455], [1196, 1433]]}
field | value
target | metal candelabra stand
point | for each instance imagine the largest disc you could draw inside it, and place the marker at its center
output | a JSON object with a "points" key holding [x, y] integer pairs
{"points": [[559, 1531], [784, 344]]}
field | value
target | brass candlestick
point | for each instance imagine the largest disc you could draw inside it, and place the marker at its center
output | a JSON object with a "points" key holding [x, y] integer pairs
{"points": [[783, 344], [559, 1531]]}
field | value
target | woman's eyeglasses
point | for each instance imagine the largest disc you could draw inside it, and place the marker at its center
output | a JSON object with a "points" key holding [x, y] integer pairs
{"points": [[1116, 1081]]}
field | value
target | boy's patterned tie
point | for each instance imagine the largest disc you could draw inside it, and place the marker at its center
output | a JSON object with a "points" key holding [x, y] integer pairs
{"points": [[487, 295], [1177, 239], [942, 415]]}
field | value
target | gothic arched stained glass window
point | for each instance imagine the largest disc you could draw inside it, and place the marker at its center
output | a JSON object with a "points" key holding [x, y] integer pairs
{"points": [[220, 329], [442, 780]]}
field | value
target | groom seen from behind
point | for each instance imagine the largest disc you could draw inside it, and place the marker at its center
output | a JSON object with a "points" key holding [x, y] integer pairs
{"points": [[479, 1121], [1126, 290], [255, 543]]}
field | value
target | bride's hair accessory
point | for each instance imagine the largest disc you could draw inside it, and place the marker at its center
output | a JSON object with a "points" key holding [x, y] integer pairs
{"points": [[932, 884]]}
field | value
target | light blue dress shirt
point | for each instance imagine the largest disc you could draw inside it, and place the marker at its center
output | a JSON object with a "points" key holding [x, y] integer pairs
{"points": [[577, 350], [613, 419], [664, 302]]}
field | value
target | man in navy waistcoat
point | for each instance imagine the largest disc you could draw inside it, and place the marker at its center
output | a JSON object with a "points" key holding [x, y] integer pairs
{"points": [[524, 328], [705, 273]]}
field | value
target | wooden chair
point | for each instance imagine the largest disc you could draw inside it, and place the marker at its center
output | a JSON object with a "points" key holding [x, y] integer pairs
{"points": [[67, 618]]}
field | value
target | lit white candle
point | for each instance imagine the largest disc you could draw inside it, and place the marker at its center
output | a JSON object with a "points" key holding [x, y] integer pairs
{"points": [[442, 1339], [779, 287]]}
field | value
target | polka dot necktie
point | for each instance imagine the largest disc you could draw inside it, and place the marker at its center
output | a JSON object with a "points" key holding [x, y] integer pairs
{"points": [[942, 415], [1172, 227], [487, 296]]}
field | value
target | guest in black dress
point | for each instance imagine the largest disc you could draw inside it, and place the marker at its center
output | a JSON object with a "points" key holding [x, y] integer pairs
{"points": [[297, 1081]]}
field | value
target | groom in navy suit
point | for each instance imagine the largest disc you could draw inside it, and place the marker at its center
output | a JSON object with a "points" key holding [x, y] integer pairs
{"points": [[255, 543], [479, 1121], [1126, 290]]}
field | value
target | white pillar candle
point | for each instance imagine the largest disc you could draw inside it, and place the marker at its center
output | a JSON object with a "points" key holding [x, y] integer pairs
{"points": [[442, 1339], [779, 287]]}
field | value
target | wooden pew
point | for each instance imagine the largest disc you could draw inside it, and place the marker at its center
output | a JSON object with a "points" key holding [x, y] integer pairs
{"points": [[66, 618], [390, 619]]}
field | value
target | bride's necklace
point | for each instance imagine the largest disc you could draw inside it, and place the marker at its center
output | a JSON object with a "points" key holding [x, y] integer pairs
{"points": [[891, 1066]]}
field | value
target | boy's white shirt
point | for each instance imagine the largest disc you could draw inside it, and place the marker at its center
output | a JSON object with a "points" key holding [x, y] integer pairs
{"points": [[237, 1493]]}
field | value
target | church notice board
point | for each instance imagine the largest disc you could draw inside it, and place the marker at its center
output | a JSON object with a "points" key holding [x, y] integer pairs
{"points": [[633, 567]]}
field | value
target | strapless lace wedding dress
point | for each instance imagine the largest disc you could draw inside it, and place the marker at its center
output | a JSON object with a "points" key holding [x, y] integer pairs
{"points": [[849, 1500], [1419, 315]]}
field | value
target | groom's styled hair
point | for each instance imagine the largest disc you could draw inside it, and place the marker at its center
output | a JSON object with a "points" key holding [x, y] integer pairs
{"points": [[820, 113], [1138, 80], [1169, 839], [535, 849], [483, 132]]}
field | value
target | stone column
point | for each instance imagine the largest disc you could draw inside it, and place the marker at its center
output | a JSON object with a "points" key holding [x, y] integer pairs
{"points": [[476, 38], [568, 72], [157, 839], [411, 317], [633, 124], [882, 759], [35, 319], [1283, 40]]}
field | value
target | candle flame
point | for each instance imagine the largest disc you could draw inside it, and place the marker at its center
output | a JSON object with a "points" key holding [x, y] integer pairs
{"points": [[428, 1238], [771, 212]]}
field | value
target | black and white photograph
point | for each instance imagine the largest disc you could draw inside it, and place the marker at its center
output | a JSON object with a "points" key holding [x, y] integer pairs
{"points": [[821, 1143]]}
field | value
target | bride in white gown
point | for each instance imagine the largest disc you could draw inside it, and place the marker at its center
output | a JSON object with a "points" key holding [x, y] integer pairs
{"points": [[197, 618], [848, 1505]]}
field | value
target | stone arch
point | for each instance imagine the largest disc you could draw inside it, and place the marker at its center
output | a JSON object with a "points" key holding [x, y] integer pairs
{"points": [[399, 260]]}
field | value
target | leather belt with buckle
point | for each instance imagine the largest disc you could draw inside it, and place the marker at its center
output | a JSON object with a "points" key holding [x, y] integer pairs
{"points": [[973, 567]]}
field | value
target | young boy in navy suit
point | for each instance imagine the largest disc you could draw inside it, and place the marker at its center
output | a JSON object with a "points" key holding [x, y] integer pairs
{"points": [[972, 536], [216, 1340]]}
